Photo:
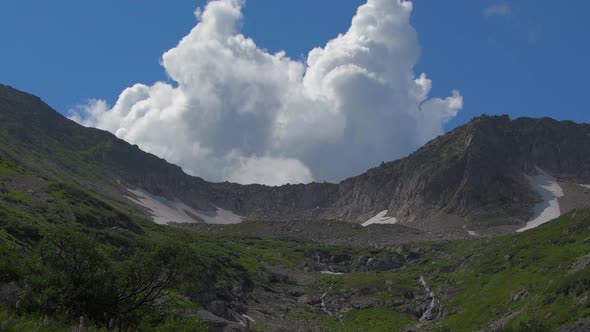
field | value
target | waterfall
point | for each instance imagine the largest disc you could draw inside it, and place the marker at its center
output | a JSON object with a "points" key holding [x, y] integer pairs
{"points": [[433, 311]]}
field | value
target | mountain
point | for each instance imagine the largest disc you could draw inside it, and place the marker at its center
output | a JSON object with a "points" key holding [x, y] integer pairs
{"points": [[475, 177], [477, 172], [78, 245]]}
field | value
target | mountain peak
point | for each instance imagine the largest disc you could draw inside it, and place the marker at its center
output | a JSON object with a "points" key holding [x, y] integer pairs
{"points": [[7, 92], [475, 173]]}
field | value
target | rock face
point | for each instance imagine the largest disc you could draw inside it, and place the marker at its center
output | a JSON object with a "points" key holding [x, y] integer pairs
{"points": [[476, 172]]}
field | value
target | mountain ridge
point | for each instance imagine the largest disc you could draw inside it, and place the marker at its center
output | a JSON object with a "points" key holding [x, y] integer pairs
{"points": [[443, 177], [74, 250]]}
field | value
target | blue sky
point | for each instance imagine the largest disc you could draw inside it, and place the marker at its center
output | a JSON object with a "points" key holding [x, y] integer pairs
{"points": [[532, 62], [522, 58]]}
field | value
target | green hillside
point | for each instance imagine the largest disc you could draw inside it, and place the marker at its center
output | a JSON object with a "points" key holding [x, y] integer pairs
{"points": [[66, 253], [73, 249]]}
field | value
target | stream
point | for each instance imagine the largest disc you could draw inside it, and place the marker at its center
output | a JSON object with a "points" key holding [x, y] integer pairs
{"points": [[433, 311]]}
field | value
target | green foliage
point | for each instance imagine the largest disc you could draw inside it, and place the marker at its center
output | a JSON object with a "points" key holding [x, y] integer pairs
{"points": [[147, 278], [395, 283], [10, 268], [302, 315], [72, 273], [87, 209], [529, 326], [17, 196], [8, 168], [375, 319], [19, 224], [12, 321], [181, 325], [574, 285], [521, 278], [78, 253]]}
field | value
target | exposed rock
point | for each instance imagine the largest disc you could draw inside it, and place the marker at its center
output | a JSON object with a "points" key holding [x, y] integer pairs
{"points": [[218, 324], [580, 264], [218, 308], [523, 294], [386, 263], [274, 278], [583, 325], [445, 176]]}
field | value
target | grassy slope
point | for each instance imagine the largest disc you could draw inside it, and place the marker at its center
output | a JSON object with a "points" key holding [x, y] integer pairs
{"points": [[538, 275], [537, 280], [516, 279], [520, 278], [225, 261]]}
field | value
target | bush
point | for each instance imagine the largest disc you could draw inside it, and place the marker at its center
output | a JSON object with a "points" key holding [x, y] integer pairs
{"points": [[181, 325], [575, 284], [71, 274], [146, 279], [9, 261], [533, 326]]}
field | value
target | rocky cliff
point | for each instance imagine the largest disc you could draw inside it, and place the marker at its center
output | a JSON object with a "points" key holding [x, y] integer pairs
{"points": [[476, 172]]}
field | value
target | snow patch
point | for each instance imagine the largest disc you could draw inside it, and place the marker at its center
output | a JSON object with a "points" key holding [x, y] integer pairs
{"points": [[380, 219], [550, 191], [332, 273], [472, 233], [165, 211], [585, 185]]}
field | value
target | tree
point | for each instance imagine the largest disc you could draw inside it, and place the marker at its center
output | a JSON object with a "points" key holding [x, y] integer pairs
{"points": [[148, 277], [70, 273]]}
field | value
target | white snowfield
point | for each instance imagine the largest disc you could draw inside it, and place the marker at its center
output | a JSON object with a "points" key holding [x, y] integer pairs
{"points": [[164, 211], [380, 219], [550, 191], [585, 185]]}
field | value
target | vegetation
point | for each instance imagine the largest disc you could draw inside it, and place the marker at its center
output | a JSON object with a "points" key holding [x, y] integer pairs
{"points": [[71, 250], [518, 280], [8, 168], [375, 319], [77, 254], [71, 247]]}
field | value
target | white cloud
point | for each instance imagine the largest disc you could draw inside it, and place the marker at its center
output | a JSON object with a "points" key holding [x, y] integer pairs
{"points": [[264, 170], [241, 114], [502, 10]]}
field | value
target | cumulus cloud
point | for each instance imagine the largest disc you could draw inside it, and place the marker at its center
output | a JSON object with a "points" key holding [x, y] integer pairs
{"points": [[502, 10], [241, 114]]}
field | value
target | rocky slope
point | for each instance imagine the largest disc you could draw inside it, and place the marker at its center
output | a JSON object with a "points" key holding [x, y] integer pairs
{"points": [[475, 173], [63, 185]]}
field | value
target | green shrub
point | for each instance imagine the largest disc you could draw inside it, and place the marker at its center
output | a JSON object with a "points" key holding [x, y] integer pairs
{"points": [[17, 196], [70, 273], [181, 325], [10, 267]]}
